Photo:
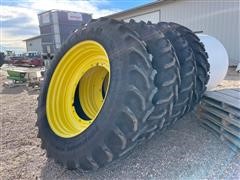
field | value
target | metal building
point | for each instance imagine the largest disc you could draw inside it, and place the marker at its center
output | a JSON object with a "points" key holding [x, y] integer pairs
{"points": [[218, 18], [34, 44], [56, 25]]}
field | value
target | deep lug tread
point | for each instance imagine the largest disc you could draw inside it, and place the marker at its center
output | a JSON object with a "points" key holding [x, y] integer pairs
{"points": [[201, 58], [188, 67], [94, 165], [137, 93], [132, 117], [166, 64], [108, 153], [137, 69]]}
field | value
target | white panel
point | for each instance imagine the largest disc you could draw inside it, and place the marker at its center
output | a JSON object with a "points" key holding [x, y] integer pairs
{"points": [[45, 18], [154, 17], [55, 17], [74, 16]]}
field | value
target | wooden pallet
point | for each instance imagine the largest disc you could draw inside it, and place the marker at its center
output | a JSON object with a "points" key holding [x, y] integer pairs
{"points": [[219, 111]]}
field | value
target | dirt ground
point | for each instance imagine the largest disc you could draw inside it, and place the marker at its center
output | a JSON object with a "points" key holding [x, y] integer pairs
{"points": [[186, 151]]}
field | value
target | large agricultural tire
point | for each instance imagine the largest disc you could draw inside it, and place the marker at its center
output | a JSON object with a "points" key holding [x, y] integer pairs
{"points": [[122, 119], [167, 79], [201, 58], [1, 59], [187, 71]]}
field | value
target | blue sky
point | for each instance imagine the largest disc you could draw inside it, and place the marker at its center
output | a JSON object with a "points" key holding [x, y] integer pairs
{"points": [[18, 18]]}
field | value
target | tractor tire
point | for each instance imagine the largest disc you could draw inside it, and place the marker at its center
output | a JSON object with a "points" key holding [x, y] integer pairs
{"points": [[201, 58], [1, 59], [187, 71], [122, 120], [167, 80]]}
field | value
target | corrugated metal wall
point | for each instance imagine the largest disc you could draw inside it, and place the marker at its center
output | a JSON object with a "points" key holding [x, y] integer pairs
{"points": [[219, 18]]}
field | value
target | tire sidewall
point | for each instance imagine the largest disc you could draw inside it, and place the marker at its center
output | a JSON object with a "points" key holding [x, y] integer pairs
{"points": [[95, 133]]}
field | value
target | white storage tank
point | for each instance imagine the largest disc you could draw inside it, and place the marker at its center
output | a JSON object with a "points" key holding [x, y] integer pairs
{"points": [[218, 59]]}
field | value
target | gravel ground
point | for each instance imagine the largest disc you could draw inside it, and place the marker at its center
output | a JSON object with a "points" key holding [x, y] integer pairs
{"points": [[186, 151]]}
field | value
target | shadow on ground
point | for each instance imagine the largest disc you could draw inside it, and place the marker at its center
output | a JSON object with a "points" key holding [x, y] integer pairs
{"points": [[13, 90], [187, 150], [18, 90]]}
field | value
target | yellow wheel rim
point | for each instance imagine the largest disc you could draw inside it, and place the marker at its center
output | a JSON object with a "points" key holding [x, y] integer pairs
{"points": [[84, 68]]}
